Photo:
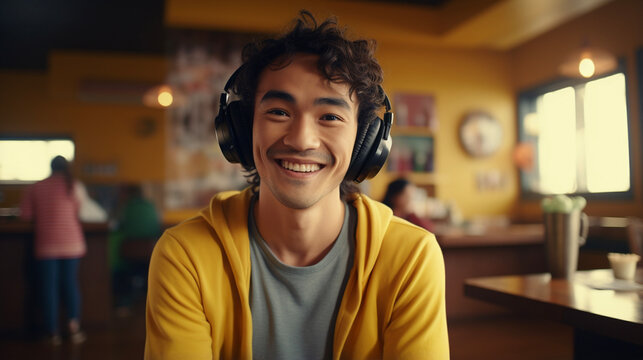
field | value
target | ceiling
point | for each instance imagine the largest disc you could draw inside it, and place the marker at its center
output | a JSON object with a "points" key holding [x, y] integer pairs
{"points": [[492, 24], [29, 29]]}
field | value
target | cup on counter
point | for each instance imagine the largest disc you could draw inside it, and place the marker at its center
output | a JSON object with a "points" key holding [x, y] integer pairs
{"points": [[623, 265]]}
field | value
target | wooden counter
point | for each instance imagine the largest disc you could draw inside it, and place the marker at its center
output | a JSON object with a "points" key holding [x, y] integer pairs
{"points": [[521, 234], [19, 312], [514, 249]]}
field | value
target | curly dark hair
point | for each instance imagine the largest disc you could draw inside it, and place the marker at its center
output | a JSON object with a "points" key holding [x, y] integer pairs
{"points": [[340, 60]]}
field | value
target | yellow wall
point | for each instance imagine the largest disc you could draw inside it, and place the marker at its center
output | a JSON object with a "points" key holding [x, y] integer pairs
{"points": [[37, 103], [617, 28], [460, 80]]}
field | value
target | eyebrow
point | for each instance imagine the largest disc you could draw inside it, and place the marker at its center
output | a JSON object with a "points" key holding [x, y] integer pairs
{"points": [[277, 94], [282, 95], [332, 101]]}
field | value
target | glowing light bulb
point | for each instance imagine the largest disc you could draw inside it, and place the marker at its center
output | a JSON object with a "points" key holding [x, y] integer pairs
{"points": [[165, 98], [586, 67]]}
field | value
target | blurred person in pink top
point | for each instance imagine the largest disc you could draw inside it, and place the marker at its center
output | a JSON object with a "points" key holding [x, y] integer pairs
{"points": [[58, 246]]}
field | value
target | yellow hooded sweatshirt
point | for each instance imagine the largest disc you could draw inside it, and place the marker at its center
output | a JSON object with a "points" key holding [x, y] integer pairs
{"points": [[393, 306]]}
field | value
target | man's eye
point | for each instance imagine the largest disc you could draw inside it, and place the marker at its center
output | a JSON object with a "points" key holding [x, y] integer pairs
{"points": [[330, 117], [277, 112]]}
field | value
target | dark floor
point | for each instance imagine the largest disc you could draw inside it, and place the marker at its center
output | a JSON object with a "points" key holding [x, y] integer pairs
{"points": [[502, 337]]}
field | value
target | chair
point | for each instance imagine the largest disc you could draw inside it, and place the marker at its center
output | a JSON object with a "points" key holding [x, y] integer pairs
{"points": [[136, 254], [635, 235], [138, 250]]}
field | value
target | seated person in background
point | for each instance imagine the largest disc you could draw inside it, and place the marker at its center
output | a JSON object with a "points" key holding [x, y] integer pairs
{"points": [[399, 197], [138, 220]]}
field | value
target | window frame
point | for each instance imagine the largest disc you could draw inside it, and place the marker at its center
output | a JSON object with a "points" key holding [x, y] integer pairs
{"points": [[524, 103]]}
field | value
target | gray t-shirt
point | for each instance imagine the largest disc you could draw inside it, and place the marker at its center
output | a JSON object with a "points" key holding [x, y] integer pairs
{"points": [[294, 308]]}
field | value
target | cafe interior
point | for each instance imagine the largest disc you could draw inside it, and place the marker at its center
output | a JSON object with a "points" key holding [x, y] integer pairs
{"points": [[504, 109]]}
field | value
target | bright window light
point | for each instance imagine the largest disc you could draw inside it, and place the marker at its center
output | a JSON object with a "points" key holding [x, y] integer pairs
{"points": [[580, 134], [30, 160], [557, 142], [607, 155]]}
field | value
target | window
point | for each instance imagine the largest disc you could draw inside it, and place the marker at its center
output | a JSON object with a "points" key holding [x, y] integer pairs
{"points": [[578, 130], [29, 160]]}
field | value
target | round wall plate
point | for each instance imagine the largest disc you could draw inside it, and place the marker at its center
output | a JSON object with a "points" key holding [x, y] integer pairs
{"points": [[480, 134]]}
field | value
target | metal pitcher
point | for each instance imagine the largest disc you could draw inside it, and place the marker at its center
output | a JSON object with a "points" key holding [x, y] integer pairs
{"points": [[564, 234]]}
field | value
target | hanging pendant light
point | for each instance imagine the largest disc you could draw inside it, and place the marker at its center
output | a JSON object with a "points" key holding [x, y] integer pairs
{"points": [[587, 62]]}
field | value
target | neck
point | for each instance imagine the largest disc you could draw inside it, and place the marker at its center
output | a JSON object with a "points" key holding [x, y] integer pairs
{"points": [[299, 237]]}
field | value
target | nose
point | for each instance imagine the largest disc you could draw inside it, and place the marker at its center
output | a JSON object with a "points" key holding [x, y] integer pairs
{"points": [[303, 134]]}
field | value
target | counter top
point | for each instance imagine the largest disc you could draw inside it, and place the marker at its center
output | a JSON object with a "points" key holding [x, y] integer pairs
{"points": [[21, 227], [516, 234]]}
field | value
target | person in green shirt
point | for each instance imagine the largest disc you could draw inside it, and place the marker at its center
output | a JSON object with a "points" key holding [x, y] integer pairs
{"points": [[138, 220]]}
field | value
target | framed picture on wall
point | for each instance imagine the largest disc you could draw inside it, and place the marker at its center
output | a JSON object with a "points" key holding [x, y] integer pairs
{"points": [[416, 110], [411, 154]]}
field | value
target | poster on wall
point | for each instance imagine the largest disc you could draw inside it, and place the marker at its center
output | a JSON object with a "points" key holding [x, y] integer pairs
{"points": [[201, 63], [415, 110], [411, 154]]}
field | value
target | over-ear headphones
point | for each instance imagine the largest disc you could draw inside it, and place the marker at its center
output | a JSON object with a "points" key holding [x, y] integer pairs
{"points": [[373, 143]]}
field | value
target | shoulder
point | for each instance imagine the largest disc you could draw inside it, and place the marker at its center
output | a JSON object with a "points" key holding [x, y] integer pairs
{"points": [[394, 230], [45, 187], [410, 253], [207, 237], [408, 237], [42, 183], [410, 259], [392, 240], [188, 248], [192, 234]]}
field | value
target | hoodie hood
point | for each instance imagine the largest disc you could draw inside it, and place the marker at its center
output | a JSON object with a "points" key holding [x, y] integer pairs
{"points": [[373, 219], [227, 215]]}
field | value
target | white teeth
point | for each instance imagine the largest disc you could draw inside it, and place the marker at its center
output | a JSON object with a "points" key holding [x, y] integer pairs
{"points": [[299, 167]]}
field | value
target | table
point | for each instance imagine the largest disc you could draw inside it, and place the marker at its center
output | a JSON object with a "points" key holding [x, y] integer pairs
{"points": [[607, 324]]}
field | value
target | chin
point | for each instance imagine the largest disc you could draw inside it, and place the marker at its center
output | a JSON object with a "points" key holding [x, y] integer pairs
{"points": [[295, 202]]}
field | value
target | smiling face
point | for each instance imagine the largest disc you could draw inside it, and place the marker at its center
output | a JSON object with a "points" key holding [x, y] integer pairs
{"points": [[304, 130]]}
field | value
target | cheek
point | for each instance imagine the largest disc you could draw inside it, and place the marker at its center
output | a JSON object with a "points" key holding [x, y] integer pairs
{"points": [[347, 142], [261, 135], [259, 144], [349, 146]]}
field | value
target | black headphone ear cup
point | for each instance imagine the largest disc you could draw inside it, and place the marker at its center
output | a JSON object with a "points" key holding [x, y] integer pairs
{"points": [[225, 136], [377, 156], [368, 137], [241, 126], [234, 132]]}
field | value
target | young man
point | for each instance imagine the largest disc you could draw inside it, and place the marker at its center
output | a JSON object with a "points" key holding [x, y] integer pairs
{"points": [[299, 266]]}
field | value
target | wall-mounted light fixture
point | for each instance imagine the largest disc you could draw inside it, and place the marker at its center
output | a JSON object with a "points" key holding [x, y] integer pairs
{"points": [[162, 96], [588, 61]]}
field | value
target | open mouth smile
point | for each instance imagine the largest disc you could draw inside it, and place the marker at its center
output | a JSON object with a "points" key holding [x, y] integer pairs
{"points": [[300, 167]]}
